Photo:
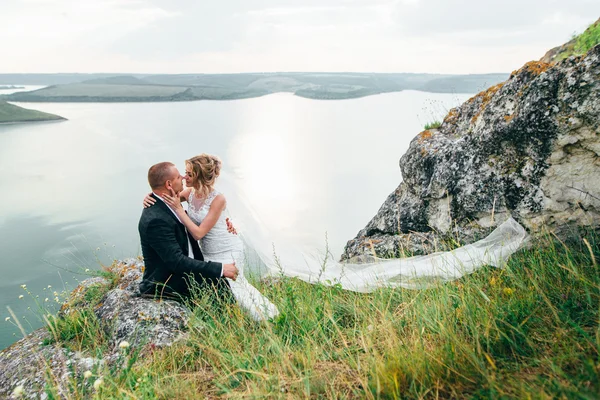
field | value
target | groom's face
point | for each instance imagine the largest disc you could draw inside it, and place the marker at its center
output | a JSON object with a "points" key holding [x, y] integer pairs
{"points": [[176, 182]]}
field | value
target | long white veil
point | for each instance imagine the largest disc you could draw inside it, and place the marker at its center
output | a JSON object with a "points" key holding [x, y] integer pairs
{"points": [[280, 257]]}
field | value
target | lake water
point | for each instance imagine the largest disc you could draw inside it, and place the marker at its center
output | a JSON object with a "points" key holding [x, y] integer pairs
{"points": [[72, 191]]}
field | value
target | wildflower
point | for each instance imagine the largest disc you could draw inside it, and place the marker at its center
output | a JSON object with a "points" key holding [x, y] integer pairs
{"points": [[493, 281], [370, 328], [20, 296], [55, 293], [56, 299], [87, 270], [124, 344], [23, 286], [7, 319], [508, 291], [87, 374], [98, 383], [49, 286], [18, 391]]}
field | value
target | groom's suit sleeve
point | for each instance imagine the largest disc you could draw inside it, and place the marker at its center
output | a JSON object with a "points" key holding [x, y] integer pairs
{"points": [[165, 244]]}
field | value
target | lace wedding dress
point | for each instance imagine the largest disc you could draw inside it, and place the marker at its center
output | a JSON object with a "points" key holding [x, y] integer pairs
{"points": [[221, 246]]}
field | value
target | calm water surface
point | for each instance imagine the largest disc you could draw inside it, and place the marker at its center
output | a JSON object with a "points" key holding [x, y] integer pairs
{"points": [[72, 191]]}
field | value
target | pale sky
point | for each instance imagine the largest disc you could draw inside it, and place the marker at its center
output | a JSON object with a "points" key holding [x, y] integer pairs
{"points": [[194, 36]]}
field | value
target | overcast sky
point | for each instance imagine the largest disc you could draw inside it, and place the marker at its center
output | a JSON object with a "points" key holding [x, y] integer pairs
{"points": [[187, 36]]}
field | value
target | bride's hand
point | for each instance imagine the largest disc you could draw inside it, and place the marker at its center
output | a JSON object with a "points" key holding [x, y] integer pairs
{"points": [[148, 201], [174, 202]]}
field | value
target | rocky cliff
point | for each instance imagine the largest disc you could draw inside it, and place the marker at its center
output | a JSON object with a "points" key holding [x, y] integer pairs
{"points": [[528, 147]]}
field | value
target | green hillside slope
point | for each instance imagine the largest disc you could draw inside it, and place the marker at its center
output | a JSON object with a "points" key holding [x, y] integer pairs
{"points": [[9, 113]]}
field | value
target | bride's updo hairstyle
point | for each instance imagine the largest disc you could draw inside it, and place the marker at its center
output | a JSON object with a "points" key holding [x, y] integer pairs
{"points": [[205, 169]]}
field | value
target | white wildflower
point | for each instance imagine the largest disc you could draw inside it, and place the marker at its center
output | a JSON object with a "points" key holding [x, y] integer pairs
{"points": [[87, 374], [7, 319], [49, 286], [20, 296], [46, 299], [87, 270], [124, 344], [18, 391], [98, 383], [23, 286]]}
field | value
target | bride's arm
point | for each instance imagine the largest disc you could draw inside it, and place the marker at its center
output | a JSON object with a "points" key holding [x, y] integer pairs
{"points": [[198, 232]]}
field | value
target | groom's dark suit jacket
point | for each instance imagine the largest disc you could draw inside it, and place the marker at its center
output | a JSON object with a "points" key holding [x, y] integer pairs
{"points": [[168, 269]]}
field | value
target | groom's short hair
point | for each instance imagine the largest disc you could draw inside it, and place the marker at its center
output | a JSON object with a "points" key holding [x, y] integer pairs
{"points": [[159, 173]]}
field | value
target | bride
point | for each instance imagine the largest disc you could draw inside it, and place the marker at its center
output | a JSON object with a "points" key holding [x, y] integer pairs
{"points": [[206, 222]]}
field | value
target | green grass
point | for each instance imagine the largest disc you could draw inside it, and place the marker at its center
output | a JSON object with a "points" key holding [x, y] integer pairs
{"points": [[588, 39], [530, 330], [580, 44], [11, 113], [433, 125]]}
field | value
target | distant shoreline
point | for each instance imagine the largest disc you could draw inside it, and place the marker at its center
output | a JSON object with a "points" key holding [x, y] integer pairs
{"points": [[33, 121], [314, 86], [4, 87]]}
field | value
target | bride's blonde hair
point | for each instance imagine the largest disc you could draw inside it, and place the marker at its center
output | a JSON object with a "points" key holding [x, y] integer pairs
{"points": [[205, 169]]}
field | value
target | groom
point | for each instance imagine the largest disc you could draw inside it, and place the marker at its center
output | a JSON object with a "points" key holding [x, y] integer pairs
{"points": [[173, 260]]}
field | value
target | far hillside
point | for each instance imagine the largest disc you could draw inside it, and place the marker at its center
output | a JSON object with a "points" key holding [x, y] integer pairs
{"points": [[148, 88]]}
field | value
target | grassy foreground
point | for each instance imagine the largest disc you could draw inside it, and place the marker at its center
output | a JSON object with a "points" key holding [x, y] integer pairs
{"points": [[530, 330]]}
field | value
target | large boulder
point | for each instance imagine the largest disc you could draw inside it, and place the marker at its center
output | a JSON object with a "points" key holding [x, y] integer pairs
{"points": [[528, 147]]}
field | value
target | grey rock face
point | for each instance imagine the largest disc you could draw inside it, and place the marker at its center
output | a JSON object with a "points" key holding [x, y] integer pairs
{"points": [[123, 316], [528, 147], [139, 321]]}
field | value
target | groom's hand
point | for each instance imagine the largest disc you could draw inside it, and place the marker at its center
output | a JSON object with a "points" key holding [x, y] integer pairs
{"points": [[230, 271], [230, 227]]}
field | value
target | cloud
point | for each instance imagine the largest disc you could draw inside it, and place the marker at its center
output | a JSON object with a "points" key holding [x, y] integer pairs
{"points": [[35, 29], [177, 36]]}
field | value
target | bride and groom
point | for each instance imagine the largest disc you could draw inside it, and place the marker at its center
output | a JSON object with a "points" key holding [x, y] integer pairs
{"points": [[170, 238], [174, 261]]}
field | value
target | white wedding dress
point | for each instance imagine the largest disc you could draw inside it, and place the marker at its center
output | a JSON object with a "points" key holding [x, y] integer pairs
{"points": [[221, 246]]}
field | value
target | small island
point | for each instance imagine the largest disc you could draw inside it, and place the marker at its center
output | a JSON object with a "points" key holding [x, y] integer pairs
{"points": [[11, 114], [4, 87]]}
